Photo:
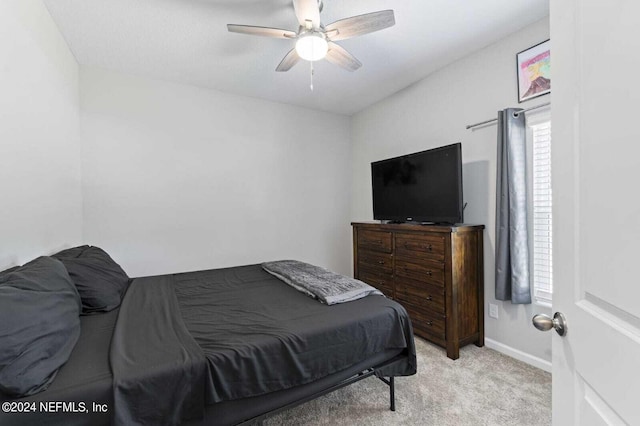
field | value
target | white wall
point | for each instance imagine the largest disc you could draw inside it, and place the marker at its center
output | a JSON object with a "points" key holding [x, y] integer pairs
{"points": [[179, 178], [40, 193], [434, 112]]}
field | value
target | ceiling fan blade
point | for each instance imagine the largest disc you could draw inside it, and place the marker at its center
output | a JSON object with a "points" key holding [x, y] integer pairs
{"points": [[307, 10], [261, 31], [288, 61], [361, 24], [339, 56]]}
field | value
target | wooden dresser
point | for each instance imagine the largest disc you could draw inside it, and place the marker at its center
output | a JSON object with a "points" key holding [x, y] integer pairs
{"points": [[434, 271]]}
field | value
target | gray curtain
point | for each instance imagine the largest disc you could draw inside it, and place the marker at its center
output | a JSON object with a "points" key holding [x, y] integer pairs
{"points": [[512, 245]]}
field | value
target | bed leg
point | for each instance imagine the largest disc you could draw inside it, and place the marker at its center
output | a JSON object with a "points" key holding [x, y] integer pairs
{"points": [[392, 393]]}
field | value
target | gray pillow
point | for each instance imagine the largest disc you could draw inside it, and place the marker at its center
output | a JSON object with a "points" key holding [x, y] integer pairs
{"points": [[100, 281], [39, 325], [6, 271]]}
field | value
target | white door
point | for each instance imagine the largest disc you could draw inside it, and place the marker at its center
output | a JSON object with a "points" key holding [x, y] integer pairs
{"points": [[596, 188]]}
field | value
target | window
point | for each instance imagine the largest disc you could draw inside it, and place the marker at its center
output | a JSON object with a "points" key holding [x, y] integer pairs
{"points": [[541, 214]]}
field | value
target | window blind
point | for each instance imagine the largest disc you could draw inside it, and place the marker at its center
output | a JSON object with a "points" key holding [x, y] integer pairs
{"points": [[542, 214]]}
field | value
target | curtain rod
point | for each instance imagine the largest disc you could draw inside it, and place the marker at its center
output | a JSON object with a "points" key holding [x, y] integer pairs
{"points": [[471, 126]]}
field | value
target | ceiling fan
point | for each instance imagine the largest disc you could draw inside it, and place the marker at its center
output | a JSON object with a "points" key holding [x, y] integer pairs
{"points": [[315, 41]]}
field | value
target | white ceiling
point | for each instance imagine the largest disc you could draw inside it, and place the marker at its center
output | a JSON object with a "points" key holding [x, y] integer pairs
{"points": [[187, 41]]}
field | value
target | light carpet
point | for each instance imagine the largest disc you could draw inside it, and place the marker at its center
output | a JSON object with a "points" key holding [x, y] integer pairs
{"points": [[482, 387]]}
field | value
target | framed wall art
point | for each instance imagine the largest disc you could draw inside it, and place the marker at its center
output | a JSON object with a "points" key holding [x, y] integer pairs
{"points": [[534, 67]]}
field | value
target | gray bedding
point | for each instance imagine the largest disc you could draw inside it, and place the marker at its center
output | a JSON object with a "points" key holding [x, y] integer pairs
{"points": [[85, 378], [320, 283], [158, 369], [39, 325], [254, 334], [234, 341]]}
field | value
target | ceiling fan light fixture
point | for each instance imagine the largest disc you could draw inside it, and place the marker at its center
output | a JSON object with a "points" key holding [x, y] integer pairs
{"points": [[315, 41], [312, 47]]}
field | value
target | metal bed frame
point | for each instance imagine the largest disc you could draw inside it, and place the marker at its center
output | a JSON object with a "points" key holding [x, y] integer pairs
{"points": [[360, 376]]}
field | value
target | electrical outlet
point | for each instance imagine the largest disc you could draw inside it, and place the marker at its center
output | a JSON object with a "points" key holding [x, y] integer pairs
{"points": [[493, 310]]}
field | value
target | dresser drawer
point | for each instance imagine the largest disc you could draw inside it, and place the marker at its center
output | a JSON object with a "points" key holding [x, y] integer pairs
{"points": [[372, 260], [429, 323], [375, 240], [422, 270], [382, 282], [421, 295], [429, 246]]}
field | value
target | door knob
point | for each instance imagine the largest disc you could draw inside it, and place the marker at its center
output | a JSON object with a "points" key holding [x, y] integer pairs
{"points": [[545, 323]]}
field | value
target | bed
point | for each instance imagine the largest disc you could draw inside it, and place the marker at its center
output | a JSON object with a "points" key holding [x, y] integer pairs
{"points": [[224, 346]]}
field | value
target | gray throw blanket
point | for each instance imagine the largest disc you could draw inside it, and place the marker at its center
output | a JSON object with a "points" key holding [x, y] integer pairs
{"points": [[328, 287]]}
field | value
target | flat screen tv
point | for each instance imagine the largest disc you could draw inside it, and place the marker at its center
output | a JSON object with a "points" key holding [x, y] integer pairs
{"points": [[421, 187]]}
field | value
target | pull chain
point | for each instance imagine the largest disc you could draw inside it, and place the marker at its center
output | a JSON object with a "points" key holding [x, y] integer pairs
{"points": [[311, 65]]}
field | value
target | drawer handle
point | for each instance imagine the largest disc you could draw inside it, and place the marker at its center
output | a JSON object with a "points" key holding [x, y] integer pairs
{"points": [[428, 273], [428, 247], [380, 262], [378, 241], [430, 323], [429, 298]]}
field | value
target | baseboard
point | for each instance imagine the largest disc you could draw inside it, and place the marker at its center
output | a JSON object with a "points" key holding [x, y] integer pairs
{"points": [[518, 354]]}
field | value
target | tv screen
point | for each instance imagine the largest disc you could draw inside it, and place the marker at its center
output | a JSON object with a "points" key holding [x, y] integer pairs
{"points": [[421, 187]]}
